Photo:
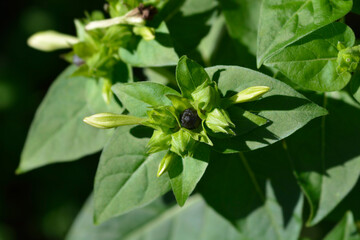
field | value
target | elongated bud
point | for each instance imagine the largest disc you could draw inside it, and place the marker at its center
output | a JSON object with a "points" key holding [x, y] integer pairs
{"points": [[130, 20], [166, 162], [159, 141], [182, 143], [112, 120], [248, 95], [147, 33], [106, 91], [219, 122], [51, 40]]}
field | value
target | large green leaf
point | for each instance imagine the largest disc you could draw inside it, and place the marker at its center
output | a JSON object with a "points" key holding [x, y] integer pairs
{"points": [[242, 17], [156, 221], [126, 176], [311, 61], [186, 172], [282, 22], [286, 109], [157, 52], [57, 133], [326, 156], [344, 230], [237, 186], [138, 97]]}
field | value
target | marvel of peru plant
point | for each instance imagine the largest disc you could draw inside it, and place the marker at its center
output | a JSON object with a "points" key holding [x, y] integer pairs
{"points": [[246, 111]]}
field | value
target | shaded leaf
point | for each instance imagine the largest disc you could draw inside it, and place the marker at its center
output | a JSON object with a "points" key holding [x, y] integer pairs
{"points": [[57, 133], [326, 156], [237, 186], [344, 230], [156, 221], [242, 17], [157, 52]]}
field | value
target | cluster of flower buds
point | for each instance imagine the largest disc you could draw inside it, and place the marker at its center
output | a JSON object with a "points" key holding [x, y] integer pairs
{"points": [[196, 114], [348, 58]]}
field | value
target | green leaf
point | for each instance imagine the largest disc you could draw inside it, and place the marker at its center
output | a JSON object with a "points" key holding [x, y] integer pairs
{"points": [[311, 61], [157, 221], [138, 97], [191, 24], [154, 53], [256, 192], [355, 86], [328, 166], [344, 230], [186, 172], [190, 75], [356, 6], [242, 19], [126, 176], [57, 133], [284, 108], [284, 22]]}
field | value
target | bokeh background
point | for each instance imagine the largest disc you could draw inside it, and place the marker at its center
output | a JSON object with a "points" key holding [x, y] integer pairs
{"points": [[43, 203]]}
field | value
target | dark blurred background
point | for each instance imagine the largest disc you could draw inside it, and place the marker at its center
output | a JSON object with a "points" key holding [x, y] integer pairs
{"points": [[43, 203]]}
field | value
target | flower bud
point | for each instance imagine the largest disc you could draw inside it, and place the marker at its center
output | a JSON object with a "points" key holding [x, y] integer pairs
{"points": [[181, 142], [147, 33], [206, 97], [219, 121], [248, 95], [159, 141], [166, 162], [50, 41], [348, 59], [162, 118], [112, 120]]}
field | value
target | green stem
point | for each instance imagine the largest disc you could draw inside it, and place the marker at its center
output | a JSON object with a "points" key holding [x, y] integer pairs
{"points": [[252, 176]]}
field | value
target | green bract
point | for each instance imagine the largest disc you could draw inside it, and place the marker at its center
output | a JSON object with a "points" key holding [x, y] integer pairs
{"points": [[198, 110]]}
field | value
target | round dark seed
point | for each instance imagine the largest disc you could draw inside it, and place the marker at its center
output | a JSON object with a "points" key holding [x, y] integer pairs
{"points": [[190, 119]]}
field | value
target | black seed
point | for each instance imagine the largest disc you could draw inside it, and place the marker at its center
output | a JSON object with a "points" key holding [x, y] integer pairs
{"points": [[190, 119]]}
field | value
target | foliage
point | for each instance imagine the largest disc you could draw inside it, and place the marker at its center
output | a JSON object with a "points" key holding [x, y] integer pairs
{"points": [[257, 144]]}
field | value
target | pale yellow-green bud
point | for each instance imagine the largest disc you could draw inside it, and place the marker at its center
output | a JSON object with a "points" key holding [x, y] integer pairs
{"points": [[133, 17], [249, 94], [219, 122], [166, 162], [112, 120], [48, 41], [147, 33]]}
